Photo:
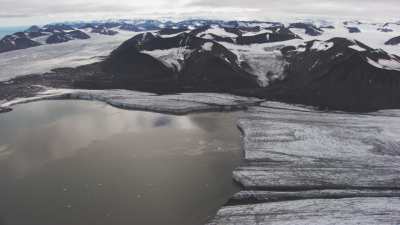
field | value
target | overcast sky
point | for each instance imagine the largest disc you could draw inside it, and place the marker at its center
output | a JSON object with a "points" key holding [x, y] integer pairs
{"points": [[27, 12]]}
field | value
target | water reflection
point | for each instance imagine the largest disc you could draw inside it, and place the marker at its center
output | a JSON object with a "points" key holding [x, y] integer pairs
{"points": [[78, 162]]}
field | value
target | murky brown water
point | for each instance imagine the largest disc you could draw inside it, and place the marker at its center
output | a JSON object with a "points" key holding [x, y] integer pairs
{"points": [[85, 163]]}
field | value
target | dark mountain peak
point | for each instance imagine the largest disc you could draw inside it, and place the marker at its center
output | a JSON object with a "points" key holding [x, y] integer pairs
{"points": [[36, 34], [393, 41], [309, 28], [335, 48], [141, 26], [266, 37], [356, 22], [170, 31], [327, 27], [20, 35], [384, 29], [184, 60], [33, 28], [341, 73], [57, 38], [77, 34], [103, 30], [57, 28], [61, 37], [15, 42], [245, 35], [353, 29], [87, 26]]}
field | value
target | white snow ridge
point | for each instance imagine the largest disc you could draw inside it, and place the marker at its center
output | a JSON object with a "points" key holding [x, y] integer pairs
{"points": [[207, 46], [386, 64], [321, 45], [172, 58]]}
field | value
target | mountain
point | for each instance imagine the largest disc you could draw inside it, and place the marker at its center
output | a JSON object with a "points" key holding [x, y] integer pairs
{"points": [[341, 74], [308, 28], [33, 35], [184, 61], [144, 25], [245, 35], [15, 42], [393, 41], [77, 34], [66, 36], [33, 28], [104, 30], [262, 59], [206, 58], [52, 28], [384, 29], [353, 29]]}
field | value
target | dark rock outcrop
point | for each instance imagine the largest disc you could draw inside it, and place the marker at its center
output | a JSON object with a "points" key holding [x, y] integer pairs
{"points": [[145, 25], [104, 30], [36, 34], [77, 34], [384, 29], [65, 37], [170, 31], [309, 29], [57, 38], [340, 74], [15, 42], [201, 68], [57, 28], [353, 29], [33, 28], [393, 41], [327, 27], [274, 35]]}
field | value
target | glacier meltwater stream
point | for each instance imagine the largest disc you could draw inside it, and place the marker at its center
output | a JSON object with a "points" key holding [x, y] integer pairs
{"points": [[83, 162]]}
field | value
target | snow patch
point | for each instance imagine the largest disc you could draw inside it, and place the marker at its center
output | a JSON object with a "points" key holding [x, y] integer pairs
{"points": [[357, 48], [257, 33], [265, 61], [385, 64], [216, 30], [207, 46], [172, 58], [321, 45]]}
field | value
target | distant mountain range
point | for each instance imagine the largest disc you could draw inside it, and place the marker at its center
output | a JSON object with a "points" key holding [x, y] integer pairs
{"points": [[271, 60]]}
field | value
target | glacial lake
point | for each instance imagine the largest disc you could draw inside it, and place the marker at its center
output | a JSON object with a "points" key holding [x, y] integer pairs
{"points": [[82, 162]]}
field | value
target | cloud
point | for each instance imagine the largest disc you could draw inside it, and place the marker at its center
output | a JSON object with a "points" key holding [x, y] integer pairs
{"points": [[331, 8], [24, 11]]}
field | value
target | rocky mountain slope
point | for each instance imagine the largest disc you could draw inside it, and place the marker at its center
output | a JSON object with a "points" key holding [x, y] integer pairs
{"points": [[339, 73], [263, 59], [15, 42], [198, 59], [393, 41]]}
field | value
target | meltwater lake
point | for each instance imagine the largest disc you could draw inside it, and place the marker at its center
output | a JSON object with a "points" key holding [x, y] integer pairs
{"points": [[82, 162]]}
